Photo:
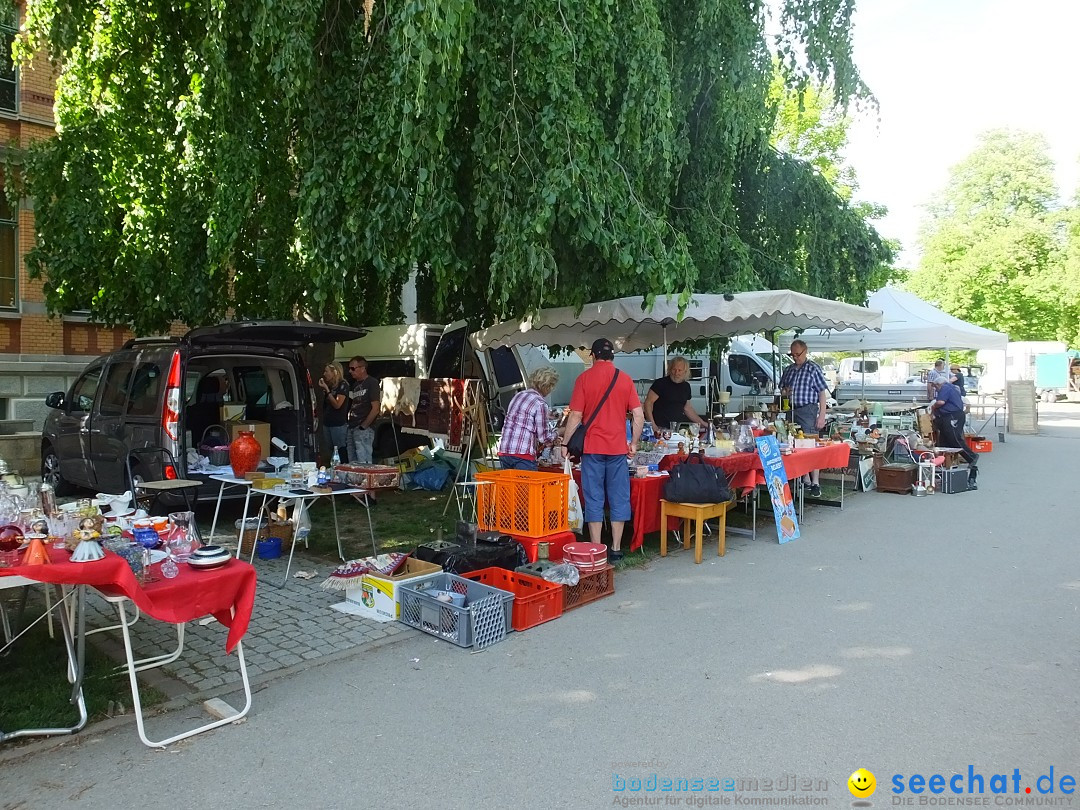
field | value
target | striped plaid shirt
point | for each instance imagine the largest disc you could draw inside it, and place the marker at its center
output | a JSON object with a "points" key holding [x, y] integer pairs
{"points": [[526, 425], [805, 382]]}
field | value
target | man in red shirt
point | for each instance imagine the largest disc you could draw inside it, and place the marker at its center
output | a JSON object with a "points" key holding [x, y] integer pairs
{"points": [[605, 474]]}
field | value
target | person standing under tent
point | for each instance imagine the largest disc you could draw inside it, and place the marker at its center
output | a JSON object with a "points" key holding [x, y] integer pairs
{"points": [[668, 399], [605, 475], [804, 384], [526, 428], [935, 378]]}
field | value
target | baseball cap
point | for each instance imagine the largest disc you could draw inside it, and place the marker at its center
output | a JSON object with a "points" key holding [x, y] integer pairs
{"points": [[602, 349]]}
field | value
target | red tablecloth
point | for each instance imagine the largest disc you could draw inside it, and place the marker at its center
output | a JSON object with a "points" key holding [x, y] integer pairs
{"points": [[187, 597], [744, 473]]}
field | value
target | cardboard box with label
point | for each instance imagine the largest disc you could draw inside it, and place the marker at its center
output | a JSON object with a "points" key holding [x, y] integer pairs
{"points": [[260, 429], [377, 597]]}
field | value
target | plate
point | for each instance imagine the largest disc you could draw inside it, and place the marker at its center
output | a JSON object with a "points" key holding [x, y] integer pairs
{"points": [[206, 566], [157, 555]]}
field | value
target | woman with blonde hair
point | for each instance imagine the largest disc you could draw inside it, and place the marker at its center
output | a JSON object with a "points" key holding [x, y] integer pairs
{"points": [[526, 430], [335, 409]]}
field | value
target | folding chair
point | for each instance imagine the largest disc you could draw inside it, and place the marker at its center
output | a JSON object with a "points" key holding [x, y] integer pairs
{"points": [[153, 475]]}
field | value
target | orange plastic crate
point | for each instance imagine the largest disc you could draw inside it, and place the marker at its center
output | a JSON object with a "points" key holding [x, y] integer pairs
{"points": [[593, 585], [979, 445], [535, 600], [519, 502]]}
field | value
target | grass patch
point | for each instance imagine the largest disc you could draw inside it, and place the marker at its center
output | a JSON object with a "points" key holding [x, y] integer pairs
{"points": [[36, 691], [401, 520]]}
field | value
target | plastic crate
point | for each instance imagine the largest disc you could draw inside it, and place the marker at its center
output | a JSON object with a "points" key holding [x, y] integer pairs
{"points": [[979, 445], [485, 618], [536, 569], [535, 600], [593, 585], [555, 542], [532, 504]]}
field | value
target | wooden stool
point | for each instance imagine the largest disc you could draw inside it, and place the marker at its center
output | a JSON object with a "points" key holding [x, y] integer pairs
{"points": [[698, 512]]}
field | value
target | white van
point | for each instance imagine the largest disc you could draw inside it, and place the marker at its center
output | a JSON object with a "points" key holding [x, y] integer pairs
{"points": [[744, 373], [855, 369], [430, 351]]}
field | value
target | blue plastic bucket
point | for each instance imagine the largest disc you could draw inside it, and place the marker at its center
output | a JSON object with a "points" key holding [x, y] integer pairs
{"points": [[268, 549]]}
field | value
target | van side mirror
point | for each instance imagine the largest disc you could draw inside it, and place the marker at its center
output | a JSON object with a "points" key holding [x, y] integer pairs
{"points": [[55, 399]]}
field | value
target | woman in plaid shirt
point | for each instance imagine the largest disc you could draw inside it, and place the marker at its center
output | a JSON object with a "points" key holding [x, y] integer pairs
{"points": [[526, 426]]}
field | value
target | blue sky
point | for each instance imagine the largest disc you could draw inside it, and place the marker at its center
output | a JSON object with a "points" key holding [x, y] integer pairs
{"points": [[946, 70]]}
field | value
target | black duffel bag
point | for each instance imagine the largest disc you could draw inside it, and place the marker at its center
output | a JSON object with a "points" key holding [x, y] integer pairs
{"points": [[693, 481]]}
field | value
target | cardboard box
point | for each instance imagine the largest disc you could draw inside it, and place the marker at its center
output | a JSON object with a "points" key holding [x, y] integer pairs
{"points": [[261, 430], [232, 412], [378, 597], [267, 482]]}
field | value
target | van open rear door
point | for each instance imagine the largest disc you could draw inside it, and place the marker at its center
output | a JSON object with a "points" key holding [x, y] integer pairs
{"points": [[500, 367]]}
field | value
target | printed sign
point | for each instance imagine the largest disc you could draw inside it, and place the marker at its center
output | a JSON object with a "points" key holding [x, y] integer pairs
{"points": [[787, 522]]}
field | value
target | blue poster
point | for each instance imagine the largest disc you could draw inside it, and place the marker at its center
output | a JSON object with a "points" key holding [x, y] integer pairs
{"points": [[787, 522]]}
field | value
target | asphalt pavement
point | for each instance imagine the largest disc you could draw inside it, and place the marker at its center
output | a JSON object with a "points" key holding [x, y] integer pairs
{"points": [[931, 636]]}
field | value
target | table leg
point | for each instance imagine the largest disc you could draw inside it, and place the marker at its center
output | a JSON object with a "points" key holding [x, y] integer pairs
{"points": [[337, 531], [698, 538], [663, 529], [74, 645], [685, 533], [298, 514], [217, 508], [721, 528], [137, 702]]}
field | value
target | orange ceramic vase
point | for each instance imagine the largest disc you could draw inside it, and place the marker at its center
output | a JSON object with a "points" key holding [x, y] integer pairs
{"points": [[244, 453]]}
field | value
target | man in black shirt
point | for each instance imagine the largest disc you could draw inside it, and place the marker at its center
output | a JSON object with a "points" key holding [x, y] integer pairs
{"points": [[668, 399]]}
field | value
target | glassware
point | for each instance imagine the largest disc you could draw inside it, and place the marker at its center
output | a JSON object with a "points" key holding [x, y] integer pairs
{"points": [[183, 539], [169, 568], [744, 442]]}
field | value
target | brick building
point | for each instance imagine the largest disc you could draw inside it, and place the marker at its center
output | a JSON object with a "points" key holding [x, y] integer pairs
{"points": [[38, 354]]}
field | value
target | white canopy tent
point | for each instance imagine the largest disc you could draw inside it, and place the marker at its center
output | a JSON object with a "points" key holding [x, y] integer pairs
{"points": [[631, 328], [908, 323]]}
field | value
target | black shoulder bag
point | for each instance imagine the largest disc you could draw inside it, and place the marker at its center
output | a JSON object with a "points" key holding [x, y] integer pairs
{"points": [[575, 445], [693, 481]]}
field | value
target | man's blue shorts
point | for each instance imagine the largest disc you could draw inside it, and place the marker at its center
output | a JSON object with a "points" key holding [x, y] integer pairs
{"points": [[602, 475]]}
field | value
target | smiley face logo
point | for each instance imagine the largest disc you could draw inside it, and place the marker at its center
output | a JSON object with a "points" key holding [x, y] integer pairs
{"points": [[862, 783]]}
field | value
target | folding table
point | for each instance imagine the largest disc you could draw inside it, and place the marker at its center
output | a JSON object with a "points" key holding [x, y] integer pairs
{"points": [[226, 593], [73, 644]]}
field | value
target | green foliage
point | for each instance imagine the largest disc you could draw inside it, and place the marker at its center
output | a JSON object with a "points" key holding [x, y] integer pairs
{"points": [[271, 158], [996, 250]]}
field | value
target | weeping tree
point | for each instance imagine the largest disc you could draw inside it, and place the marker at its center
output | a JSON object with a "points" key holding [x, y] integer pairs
{"points": [[267, 159]]}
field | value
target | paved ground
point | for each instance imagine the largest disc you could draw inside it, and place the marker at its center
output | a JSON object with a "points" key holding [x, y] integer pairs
{"points": [[908, 636]]}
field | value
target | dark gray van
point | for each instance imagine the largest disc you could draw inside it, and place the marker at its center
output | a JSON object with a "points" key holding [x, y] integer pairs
{"points": [[167, 391]]}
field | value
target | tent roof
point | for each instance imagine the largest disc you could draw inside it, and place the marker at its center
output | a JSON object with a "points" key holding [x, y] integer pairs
{"points": [[631, 328], [908, 323]]}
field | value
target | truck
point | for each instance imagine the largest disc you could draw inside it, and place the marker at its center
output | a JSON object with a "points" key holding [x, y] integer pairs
{"points": [[1021, 361]]}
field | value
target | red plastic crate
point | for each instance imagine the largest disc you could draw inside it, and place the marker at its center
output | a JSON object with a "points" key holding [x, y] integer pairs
{"points": [[979, 445], [593, 585], [519, 502], [555, 545], [535, 600]]}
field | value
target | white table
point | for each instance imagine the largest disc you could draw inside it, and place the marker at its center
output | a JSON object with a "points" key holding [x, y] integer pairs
{"points": [[74, 644], [226, 482]]}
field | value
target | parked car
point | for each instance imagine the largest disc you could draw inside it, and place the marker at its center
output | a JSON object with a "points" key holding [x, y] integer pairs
{"points": [[168, 391]]}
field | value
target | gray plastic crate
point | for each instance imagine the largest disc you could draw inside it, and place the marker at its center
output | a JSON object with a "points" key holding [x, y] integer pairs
{"points": [[482, 621]]}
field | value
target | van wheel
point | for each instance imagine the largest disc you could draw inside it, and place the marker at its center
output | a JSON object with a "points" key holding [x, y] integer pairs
{"points": [[50, 472]]}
